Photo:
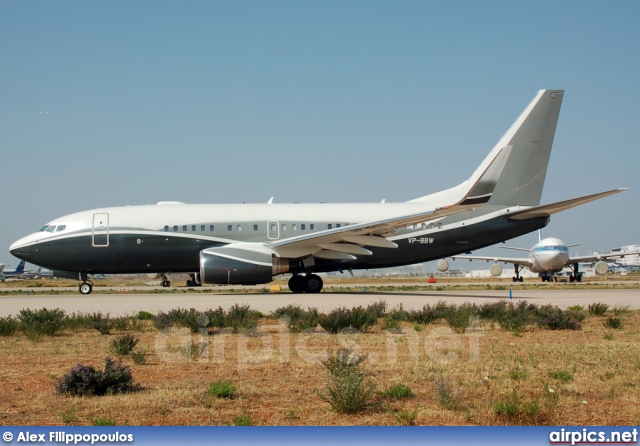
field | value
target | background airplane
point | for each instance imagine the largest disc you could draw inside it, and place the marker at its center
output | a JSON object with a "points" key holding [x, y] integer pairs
{"points": [[20, 273], [547, 257]]}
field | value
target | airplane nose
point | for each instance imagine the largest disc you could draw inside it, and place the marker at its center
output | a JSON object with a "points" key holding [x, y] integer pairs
{"points": [[20, 250]]}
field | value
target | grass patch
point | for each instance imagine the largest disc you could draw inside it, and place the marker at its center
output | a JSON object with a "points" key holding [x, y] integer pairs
{"points": [[223, 389]]}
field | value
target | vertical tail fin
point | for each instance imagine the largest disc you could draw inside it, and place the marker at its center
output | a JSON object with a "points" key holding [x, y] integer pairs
{"points": [[530, 138], [514, 171], [20, 267]]}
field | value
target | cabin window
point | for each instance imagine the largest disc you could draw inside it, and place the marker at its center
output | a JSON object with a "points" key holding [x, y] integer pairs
{"points": [[61, 228], [166, 229], [211, 228], [255, 227], [193, 228], [202, 227], [312, 227], [184, 228], [329, 226], [175, 228], [239, 228], [302, 227], [230, 228], [284, 227], [293, 227], [274, 228], [338, 225]]}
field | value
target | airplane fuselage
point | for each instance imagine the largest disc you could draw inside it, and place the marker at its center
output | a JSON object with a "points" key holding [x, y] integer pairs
{"points": [[550, 255], [169, 238]]}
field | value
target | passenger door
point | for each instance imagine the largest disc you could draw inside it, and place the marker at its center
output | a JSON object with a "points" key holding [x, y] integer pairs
{"points": [[100, 233]]}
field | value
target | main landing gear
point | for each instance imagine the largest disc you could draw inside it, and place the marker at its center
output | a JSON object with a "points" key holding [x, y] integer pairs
{"points": [[310, 283], [166, 281], [518, 277], [85, 287], [575, 277]]}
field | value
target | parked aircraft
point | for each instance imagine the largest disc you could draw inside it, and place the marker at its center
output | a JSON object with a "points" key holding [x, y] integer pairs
{"points": [[11, 273], [252, 243], [547, 257]]}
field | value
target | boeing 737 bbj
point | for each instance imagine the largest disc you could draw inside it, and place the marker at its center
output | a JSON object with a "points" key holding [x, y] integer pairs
{"points": [[252, 243], [547, 257]]}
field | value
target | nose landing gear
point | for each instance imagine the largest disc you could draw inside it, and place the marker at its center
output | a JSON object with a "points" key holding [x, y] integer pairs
{"points": [[86, 286]]}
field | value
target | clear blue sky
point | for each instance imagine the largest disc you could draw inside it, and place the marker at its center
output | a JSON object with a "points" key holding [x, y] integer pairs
{"points": [[208, 102]]}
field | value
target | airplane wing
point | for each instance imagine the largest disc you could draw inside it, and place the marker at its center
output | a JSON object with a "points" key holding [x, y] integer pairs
{"points": [[549, 209], [346, 242], [343, 242], [591, 258], [513, 260]]}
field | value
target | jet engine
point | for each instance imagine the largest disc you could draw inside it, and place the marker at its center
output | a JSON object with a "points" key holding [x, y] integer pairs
{"points": [[240, 263], [601, 268], [495, 270], [443, 265]]}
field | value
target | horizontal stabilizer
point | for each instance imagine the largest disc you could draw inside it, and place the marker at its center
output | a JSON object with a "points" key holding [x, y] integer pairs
{"points": [[549, 209]]}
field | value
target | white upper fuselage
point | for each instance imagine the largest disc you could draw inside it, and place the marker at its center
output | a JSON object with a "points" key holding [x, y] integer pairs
{"points": [[550, 255]]}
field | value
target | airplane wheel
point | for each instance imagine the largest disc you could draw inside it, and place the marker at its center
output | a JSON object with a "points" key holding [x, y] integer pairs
{"points": [[85, 288], [515, 279], [312, 283], [579, 279], [296, 284], [521, 279], [571, 279], [166, 284]]}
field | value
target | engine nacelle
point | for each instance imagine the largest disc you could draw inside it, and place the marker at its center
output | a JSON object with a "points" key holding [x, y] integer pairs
{"points": [[495, 270], [443, 265], [601, 268], [241, 264]]}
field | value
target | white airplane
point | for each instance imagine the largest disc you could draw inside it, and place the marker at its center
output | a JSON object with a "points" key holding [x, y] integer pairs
{"points": [[252, 243], [19, 272], [43, 112], [547, 257]]}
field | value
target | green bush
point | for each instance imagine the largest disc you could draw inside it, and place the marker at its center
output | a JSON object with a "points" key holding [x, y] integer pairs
{"points": [[516, 317], [43, 322], [223, 389], [429, 314], [98, 421], [459, 318], [243, 420], [598, 309], [298, 320], [377, 309], [348, 390], [123, 345], [241, 317], [145, 316], [343, 318], [399, 391], [8, 326], [613, 322], [139, 356]]}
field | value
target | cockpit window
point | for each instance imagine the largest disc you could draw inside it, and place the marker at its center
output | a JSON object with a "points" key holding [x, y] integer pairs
{"points": [[51, 229], [44, 228], [61, 228]]}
